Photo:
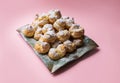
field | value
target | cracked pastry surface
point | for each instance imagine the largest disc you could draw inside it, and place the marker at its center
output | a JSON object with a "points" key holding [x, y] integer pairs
{"points": [[47, 27], [28, 31], [76, 31], [42, 47], [57, 53], [59, 24], [53, 15], [53, 54], [61, 50], [38, 33], [43, 19], [69, 22], [70, 46], [63, 35], [49, 36], [78, 42]]}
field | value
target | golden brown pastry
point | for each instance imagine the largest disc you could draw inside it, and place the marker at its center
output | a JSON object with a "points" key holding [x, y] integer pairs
{"points": [[69, 22], [28, 31], [49, 36], [53, 54], [70, 46], [78, 42], [47, 27], [76, 31], [52, 18], [63, 35], [43, 19], [38, 33], [54, 15], [35, 23], [42, 47], [59, 24], [61, 50]]}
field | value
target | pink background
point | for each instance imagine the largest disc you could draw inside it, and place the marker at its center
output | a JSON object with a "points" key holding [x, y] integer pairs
{"points": [[101, 20]]}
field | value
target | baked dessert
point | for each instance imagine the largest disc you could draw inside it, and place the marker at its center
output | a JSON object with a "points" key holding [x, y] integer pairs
{"points": [[61, 50], [56, 39], [57, 53], [69, 21], [76, 31], [53, 15], [47, 27], [59, 24], [28, 31], [70, 46], [42, 47], [63, 35], [78, 42], [38, 33], [53, 54], [43, 19], [49, 37], [51, 30]]}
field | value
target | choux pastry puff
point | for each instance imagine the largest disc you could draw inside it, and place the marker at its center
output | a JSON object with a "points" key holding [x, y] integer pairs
{"points": [[49, 36], [69, 22], [54, 15], [38, 33], [53, 54], [70, 46], [28, 31], [47, 27], [63, 35], [42, 47], [78, 42], [57, 53], [76, 31], [59, 24], [43, 19], [61, 50]]}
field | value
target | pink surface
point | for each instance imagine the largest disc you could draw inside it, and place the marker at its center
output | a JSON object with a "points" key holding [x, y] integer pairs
{"points": [[101, 20]]}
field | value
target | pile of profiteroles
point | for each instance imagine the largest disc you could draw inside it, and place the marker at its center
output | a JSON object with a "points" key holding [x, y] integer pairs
{"points": [[54, 34]]}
